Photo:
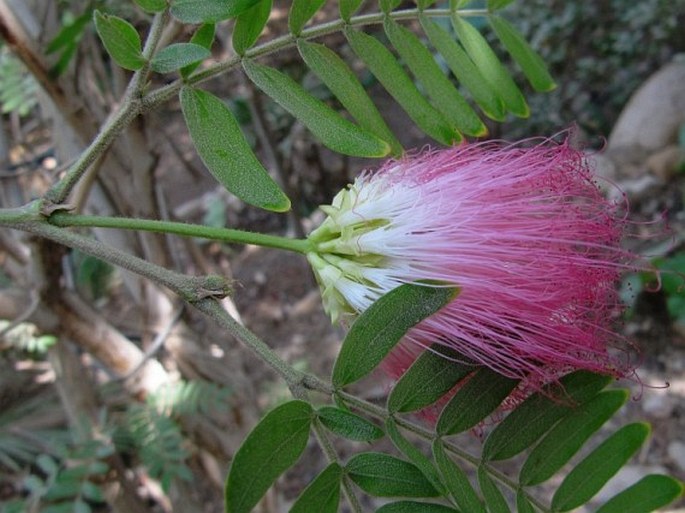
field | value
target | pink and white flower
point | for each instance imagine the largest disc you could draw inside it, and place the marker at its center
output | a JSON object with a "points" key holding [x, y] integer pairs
{"points": [[523, 230]]}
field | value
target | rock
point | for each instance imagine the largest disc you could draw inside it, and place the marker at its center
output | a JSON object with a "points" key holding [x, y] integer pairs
{"points": [[655, 112], [676, 452], [666, 163]]}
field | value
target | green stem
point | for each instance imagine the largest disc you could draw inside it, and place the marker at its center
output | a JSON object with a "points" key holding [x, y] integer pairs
{"points": [[63, 219], [130, 106]]}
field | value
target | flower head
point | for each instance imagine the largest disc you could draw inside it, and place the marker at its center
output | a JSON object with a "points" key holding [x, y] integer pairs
{"points": [[524, 232]]}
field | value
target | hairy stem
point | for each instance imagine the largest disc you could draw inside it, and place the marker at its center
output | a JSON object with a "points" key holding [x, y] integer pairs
{"points": [[184, 229]]}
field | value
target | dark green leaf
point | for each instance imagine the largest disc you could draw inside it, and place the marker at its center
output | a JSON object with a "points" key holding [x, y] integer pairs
{"points": [[523, 505], [208, 11], [323, 494], [531, 63], [121, 40], [338, 77], [348, 8], [440, 90], [490, 66], [151, 5], [647, 495], [273, 446], [382, 475], [434, 373], [204, 37], [422, 462], [537, 414], [388, 71], [457, 482], [414, 507], [330, 127], [382, 325], [178, 55], [70, 34], [477, 398], [348, 425], [495, 5], [568, 435], [224, 150], [494, 499], [301, 11], [92, 492], [463, 68], [591, 474], [249, 25]]}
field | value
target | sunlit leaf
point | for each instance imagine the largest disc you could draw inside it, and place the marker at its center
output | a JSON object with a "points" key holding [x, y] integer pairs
{"points": [[224, 150], [477, 398], [178, 55], [249, 25], [348, 425], [537, 414], [457, 482], [382, 475], [301, 11], [568, 435], [378, 329], [273, 446], [322, 495], [531, 63], [591, 474], [434, 373], [463, 68], [208, 11], [489, 65], [338, 77], [647, 495], [390, 74], [330, 127], [121, 40], [440, 90]]}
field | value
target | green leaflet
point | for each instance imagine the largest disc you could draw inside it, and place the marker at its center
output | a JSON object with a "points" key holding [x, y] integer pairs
{"points": [[523, 505], [424, 4], [494, 499], [457, 482], [249, 25], [330, 127], [382, 475], [348, 8], [178, 55], [301, 11], [390, 74], [151, 5], [489, 65], [645, 496], [322, 494], [591, 474], [414, 507], [476, 399], [382, 325], [204, 37], [348, 425], [443, 94], [538, 413], [208, 11], [568, 435], [121, 40], [495, 5], [422, 462], [224, 150], [530, 62], [273, 446], [342, 82], [389, 5], [434, 373], [463, 68]]}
